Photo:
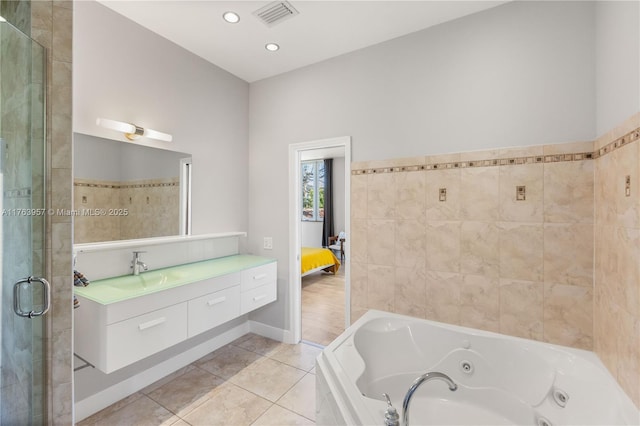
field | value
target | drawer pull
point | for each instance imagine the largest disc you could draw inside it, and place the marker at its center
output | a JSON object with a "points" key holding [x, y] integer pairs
{"points": [[151, 323], [216, 301], [259, 276], [260, 297]]}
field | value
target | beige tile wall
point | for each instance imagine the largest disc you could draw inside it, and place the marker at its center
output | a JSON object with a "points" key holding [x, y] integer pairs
{"points": [[562, 266], [51, 26], [617, 255], [133, 209], [481, 258]]}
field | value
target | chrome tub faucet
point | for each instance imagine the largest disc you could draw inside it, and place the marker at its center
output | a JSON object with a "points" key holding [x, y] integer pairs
{"points": [[433, 375]]}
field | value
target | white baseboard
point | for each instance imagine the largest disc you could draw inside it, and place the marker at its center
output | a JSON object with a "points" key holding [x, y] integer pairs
{"points": [[271, 332], [105, 398]]}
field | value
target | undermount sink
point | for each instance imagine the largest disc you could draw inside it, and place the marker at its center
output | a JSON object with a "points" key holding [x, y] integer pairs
{"points": [[146, 280], [117, 289]]}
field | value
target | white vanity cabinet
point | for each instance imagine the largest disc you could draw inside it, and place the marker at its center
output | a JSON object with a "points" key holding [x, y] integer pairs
{"points": [[212, 310], [113, 331], [259, 287], [130, 340]]}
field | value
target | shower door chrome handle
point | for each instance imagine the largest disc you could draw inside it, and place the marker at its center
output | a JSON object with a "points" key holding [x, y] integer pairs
{"points": [[17, 306]]}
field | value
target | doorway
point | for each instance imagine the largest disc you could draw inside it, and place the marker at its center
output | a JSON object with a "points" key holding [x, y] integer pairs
{"points": [[24, 298], [335, 287]]}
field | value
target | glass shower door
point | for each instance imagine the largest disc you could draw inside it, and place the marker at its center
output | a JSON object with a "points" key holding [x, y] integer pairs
{"points": [[24, 295]]}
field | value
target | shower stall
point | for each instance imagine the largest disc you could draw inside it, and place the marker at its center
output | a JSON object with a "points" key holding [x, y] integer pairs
{"points": [[24, 299]]}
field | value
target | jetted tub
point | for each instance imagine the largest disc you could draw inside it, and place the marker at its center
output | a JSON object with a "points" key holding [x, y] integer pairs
{"points": [[501, 380]]}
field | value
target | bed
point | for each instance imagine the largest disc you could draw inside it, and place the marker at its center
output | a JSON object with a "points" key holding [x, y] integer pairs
{"points": [[316, 259]]}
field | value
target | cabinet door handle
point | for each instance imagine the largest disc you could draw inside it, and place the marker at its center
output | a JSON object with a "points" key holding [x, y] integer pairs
{"points": [[259, 276], [262, 296], [151, 323], [216, 301]]}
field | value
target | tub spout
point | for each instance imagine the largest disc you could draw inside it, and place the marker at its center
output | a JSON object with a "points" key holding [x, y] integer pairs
{"points": [[391, 417], [432, 375]]}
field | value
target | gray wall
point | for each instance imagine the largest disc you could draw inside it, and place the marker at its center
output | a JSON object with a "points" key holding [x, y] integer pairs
{"points": [[124, 72], [515, 75], [106, 159], [618, 62]]}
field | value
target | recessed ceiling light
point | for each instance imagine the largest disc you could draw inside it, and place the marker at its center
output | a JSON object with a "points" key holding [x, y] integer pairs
{"points": [[231, 17], [271, 47]]}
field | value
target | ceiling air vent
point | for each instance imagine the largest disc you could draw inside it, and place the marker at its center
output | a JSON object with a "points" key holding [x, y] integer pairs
{"points": [[275, 12]]}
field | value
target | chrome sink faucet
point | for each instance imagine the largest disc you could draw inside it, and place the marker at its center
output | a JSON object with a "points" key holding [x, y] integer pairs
{"points": [[137, 263], [433, 375]]}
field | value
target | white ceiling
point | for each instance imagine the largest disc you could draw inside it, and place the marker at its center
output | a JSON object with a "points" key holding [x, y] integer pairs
{"points": [[323, 28]]}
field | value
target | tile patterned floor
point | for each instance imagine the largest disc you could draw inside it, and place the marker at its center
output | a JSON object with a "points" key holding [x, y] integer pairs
{"points": [[253, 381]]}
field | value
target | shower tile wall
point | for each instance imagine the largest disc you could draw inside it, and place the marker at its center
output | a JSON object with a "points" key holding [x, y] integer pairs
{"points": [[617, 254], [446, 238], [52, 27]]}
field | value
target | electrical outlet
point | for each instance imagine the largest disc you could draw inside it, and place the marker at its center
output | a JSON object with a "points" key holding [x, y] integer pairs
{"points": [[268, 243]]}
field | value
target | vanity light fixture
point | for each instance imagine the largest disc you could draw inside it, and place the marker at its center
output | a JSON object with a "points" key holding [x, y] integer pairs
{"points": [[131, 131], [231, 17], [271, 47]]}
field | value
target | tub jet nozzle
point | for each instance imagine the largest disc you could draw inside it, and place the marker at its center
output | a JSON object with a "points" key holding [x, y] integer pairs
{"points": [[543, 421], [560, 397]]}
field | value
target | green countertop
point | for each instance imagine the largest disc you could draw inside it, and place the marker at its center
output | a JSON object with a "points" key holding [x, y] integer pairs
{"points": [[117, 289]]}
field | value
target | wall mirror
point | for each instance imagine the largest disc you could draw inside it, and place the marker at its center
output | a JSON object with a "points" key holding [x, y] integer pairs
{"points": [[126, 191]]}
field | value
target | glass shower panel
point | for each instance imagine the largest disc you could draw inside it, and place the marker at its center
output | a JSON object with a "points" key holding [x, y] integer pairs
{"points": [[22, 158]]}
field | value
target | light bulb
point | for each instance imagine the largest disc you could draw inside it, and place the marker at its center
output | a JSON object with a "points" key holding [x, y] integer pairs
{"points": [[153, 134], [116, 125]]}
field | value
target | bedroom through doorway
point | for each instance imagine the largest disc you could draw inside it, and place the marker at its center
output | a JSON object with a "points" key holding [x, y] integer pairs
{"points": [[320, 225]]}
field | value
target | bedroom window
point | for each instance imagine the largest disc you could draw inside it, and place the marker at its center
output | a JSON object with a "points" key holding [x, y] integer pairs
{"points": [[313, 190]]}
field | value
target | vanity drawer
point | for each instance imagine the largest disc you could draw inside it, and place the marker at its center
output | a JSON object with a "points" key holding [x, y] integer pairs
{"points": [[258, 297], [136, 338], [213, 309], [258, 276]]}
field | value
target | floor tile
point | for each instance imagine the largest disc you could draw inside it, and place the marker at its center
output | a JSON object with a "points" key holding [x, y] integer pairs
{"points": [[93, 419], [300, 356], [278, 416], [142, 412], [186, 392], [301, 398], [229, 405], [242, 339], [259, 344], [228, 361], [268, 378]]}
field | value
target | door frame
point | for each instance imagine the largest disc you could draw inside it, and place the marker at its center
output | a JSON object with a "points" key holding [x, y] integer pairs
{"points": [[295, 235]]}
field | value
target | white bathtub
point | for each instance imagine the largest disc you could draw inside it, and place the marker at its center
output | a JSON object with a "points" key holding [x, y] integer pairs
{"points": [[501, 379]]}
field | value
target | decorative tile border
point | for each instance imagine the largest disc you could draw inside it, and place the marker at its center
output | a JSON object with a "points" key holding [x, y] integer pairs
{"points": [[116, 186], [632, 136], [18, 193], [538, 159]]}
